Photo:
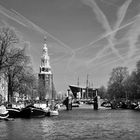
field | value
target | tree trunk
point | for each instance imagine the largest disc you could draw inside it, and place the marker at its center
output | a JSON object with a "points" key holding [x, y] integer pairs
{"points": [[10, 91]]}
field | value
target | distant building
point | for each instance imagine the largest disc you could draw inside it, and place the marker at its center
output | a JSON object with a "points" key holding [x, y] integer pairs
{"points": [[81, 92], [45, 76], [3, 88]]}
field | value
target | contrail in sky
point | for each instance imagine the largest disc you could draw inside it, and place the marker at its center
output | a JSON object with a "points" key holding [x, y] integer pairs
{"points": [[105, 55], [10, 15], [105, 24], [109, 61], [110, 34], [96, 67], [34, 26], [121, 14], [107, 34], [14, 15], [133, 37], [39, 29]]}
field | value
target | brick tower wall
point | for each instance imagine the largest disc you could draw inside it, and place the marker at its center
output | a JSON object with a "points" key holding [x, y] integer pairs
{"points": [[45, 83]]}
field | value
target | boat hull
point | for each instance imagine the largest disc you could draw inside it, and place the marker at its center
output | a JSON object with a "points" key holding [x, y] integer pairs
{"points": [[52, 113], [13, 113], [4, 116], [32, 112], [3, 112]]}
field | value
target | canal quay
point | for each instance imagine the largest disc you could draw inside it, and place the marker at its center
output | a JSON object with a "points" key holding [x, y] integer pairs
{"points": [[80, 123]]}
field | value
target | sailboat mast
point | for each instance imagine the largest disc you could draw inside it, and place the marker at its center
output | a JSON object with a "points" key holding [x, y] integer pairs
{"points": [[52, 88], [87, 87]]}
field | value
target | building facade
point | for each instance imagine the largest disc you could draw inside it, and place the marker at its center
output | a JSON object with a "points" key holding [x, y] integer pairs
{"points": [[3, 88], [45, 76]]}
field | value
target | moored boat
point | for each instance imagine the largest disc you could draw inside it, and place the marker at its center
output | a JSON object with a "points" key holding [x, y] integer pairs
{"points": [[75, 105], [32, 112], [53, 113], [13, 112], [3, 112], [137, 107]]}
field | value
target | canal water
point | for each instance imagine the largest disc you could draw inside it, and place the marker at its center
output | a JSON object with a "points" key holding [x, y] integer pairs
{"points": [[78, 124]]}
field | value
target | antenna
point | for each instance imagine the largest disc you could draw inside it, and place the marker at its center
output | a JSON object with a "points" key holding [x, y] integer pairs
{"points": [[87, 81]]}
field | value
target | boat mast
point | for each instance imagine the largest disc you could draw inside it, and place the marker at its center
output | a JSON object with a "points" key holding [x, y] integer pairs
{"points": [[52, 88], [87, 87]]}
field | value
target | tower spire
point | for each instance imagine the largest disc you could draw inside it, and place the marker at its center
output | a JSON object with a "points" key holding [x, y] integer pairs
{"points": [[45, 39], [46, 85], [45, 59], [45, 42]]}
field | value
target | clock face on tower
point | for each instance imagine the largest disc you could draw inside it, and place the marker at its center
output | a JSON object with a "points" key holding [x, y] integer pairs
{"points": [[45, 69]]}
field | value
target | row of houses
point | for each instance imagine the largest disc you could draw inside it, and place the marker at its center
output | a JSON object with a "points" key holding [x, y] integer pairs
{"points": [[4, 91]]}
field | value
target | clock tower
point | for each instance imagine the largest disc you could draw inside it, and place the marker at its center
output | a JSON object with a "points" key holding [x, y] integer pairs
{"points": [[46, 85]]}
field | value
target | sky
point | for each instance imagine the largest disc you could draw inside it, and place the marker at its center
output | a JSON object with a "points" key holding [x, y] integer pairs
{"points": [[84, 37]]}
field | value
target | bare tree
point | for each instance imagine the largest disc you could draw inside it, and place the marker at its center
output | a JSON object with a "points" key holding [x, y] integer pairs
{"points": [[115, 84], [15, 63], [27, 83], [8, 39], [102, 92]]}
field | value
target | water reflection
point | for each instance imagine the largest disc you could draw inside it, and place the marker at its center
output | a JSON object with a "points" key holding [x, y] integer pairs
{"points": [[76, 124]]}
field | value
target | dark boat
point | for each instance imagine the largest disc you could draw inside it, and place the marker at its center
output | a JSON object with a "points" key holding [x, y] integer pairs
{"points": [[13, 112], [32, 112]]}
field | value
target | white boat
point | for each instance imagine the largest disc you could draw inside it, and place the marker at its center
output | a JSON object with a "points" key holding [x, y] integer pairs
{"points": [[3, 112], [75, 105], [53, 109], [137, 108], [53, 112]]}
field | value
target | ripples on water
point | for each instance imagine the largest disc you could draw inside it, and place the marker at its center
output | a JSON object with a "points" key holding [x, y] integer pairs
{"points": [[78, 124]]}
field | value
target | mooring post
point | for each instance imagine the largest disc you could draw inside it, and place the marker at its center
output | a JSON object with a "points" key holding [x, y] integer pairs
{"points": [[95, 104]]}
